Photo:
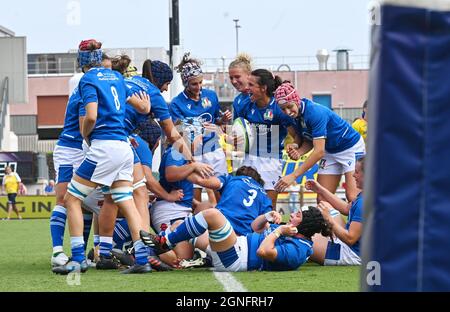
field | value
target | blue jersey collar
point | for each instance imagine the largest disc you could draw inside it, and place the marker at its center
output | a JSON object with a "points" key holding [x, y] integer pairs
{"points": [[187, 96]]}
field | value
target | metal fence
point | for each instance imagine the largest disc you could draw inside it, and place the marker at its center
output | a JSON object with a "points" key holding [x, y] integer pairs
{"points": [[288, 63], [68, 65]]}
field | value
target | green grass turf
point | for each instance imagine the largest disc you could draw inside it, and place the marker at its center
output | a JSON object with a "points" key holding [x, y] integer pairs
{"points": [[25, 266]]}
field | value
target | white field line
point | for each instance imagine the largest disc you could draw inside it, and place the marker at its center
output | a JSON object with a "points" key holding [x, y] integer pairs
{"points": [[229, 283]]}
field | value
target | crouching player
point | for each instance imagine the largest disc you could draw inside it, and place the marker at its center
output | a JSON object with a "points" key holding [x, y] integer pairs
{"points": [[270, 247], [274, 248], [174, 171]]}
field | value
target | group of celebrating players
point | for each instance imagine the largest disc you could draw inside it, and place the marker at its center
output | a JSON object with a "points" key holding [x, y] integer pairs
{"points": [[103, 163]]}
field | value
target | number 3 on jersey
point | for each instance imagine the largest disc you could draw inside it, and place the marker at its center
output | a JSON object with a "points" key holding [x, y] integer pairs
{"points": [[116, 97], [248, 202]]}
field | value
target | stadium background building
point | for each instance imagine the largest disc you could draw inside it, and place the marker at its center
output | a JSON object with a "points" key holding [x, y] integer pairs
{"points": [[35, 89]]}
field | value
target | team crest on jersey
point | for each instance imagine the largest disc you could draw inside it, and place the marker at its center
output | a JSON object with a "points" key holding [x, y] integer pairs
{"points": [[189, 106], [268, 115], [206, 102]]}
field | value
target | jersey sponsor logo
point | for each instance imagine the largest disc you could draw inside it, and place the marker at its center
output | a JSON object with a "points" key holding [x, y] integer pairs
{"points": [[268, 115], [137, 82], [106, 76], [206, 102], [206, 117]]}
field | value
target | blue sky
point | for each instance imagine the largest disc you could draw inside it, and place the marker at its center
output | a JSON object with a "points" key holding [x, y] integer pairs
{"points": [[268, 27]]}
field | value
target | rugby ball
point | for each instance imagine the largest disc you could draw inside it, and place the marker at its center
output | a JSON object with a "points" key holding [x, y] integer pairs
{"points": [[242, 128]]}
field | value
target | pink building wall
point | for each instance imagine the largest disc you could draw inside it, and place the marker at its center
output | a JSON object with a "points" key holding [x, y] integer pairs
{"points": [[41, 86], [348, 88]]}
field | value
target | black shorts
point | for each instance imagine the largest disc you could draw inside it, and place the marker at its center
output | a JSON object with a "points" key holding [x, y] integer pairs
{"points": [[12, 198]]}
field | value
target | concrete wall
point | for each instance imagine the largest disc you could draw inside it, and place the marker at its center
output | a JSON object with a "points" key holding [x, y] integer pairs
{"points": [[41, 86]]}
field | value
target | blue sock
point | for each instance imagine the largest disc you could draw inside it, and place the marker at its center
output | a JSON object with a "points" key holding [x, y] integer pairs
{"points": [[192, 226], [96, 240], [121, 233], [87, 218], [140, 252], [77, 244], [105, 246], [57, 227], [150, 251]]}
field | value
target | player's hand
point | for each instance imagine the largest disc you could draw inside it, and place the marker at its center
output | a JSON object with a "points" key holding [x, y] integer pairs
{"points": [[284, 183], [175, 195], [237, 141], [143, 96], [312, 185], [292, 151], [227, 116], [203, 170], [274, 217], [324, 208], [287, 230], [210, 128]]}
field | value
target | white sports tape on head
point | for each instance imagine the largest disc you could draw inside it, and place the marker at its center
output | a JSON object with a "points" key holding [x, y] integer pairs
{"points": [[79, 190], [122, 193], [221, 234], [139, 183]]}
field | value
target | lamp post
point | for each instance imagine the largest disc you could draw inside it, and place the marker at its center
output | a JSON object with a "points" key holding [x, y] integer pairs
{"points": [[237, 34]]}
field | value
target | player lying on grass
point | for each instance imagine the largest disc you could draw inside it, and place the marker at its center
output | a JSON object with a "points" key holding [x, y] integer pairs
{"points": [[272, 248], [345, 247]]}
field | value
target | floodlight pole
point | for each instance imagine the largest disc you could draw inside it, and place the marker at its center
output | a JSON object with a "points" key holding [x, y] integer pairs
{"points": [[237, 34]]}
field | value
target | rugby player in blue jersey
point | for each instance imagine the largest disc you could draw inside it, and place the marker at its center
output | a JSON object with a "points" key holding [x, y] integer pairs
{"points": [[201, 104], [109, 160], [243, 197], [270, 126], [334, 142], [67, 156], [271, 247], [239, 71], [344, 249]]}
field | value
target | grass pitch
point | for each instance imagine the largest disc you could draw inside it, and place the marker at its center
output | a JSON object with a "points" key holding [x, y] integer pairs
{"points": [[25, 266]]}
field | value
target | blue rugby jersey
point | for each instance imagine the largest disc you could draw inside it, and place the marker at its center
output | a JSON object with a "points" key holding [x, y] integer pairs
{"points": [[159, 108], [240, 102], [263, 121], [207, 108], [355, 215], [172, 157], [316, 121], [242, 201], [107, 88], [292, 252], [71, 136]]}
